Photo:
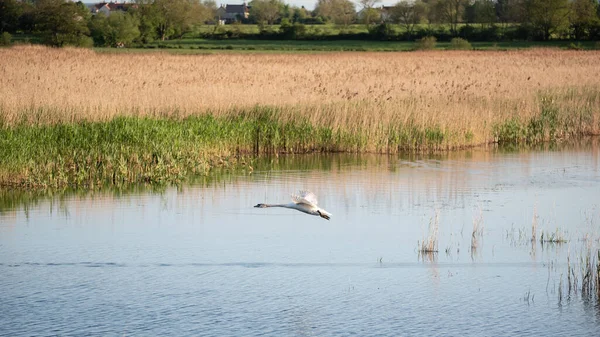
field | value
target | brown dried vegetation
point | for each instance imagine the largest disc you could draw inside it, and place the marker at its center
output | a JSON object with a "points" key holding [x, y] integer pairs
{"points": [[463, 94]]}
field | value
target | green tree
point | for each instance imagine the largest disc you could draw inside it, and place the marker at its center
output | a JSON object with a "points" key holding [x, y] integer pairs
{"points": [[510, 11], [27, 18], [98, 26], [210, 8], [268, 11], [408, 14], [370, 16], [63, 23], [451, 12], [119, 29], [10, 11], [341, 12], [173, 18], [583, 17], [484, 12], [430, 14], [547, 17], [286, 12], [148, 18], [369, 13], [299, 14]]}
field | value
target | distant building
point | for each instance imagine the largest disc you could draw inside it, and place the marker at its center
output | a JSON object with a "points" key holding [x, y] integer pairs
{"points": [[231, 13], [110, 7]]}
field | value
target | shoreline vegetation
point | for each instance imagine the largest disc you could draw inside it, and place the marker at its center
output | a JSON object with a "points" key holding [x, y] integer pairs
{"points": [[207, 46], [74, 118]]}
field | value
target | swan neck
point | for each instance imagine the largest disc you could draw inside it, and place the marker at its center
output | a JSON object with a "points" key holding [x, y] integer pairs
{"points": [[277, 205]]}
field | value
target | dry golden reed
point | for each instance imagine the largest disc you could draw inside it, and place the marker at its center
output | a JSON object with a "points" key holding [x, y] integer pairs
{"points": [[462, 93]]}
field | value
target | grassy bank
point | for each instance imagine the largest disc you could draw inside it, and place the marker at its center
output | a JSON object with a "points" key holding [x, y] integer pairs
{"points": [[133, 150], [128, 150]]}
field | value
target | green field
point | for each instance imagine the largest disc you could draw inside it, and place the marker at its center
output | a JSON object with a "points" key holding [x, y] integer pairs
{"points": [[199, 46]]}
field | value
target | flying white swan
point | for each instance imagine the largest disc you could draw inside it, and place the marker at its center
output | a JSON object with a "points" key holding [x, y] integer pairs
{"points": [[304, 201]]}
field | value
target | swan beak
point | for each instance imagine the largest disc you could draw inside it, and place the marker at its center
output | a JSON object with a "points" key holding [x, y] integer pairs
{"points": [[260, 206]]}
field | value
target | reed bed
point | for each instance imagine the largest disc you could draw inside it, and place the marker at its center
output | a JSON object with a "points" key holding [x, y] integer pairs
{"points": [[462, 94], [255, 103]]}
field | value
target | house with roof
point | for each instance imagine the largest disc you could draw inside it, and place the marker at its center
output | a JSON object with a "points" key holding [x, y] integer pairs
{"points": [[109, 7], [232, 13]]}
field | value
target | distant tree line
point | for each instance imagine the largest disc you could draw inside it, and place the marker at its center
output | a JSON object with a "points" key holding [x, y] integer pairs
{"points": [[62, 22], [524, 19]]}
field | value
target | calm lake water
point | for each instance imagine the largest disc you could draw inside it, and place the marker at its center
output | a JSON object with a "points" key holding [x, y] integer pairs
{"points": [[200, 260]]}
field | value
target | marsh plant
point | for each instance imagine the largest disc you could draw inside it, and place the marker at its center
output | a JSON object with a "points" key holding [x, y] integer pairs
{"points": [[583, 275], [460, 44], [174, 114], [534, 224], [477, 232], [429, 245], [5, 39]]}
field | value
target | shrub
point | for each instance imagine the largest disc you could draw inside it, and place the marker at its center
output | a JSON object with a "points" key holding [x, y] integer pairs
{"points": [[573, 46], [5, 39], [460, 44], [521, 32], [472, 33], [467, 32], [443, 34], [382, 31], [427, 43], [492, 33], [85, 42], [292, 31]]}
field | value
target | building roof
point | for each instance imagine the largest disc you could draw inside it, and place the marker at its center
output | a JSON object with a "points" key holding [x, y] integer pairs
{"points": [[118, 6], [113, 6], [96, 6], [236, 8]]}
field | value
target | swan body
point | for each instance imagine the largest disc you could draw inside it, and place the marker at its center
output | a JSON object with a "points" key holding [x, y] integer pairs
{"points": [[303, 201]]}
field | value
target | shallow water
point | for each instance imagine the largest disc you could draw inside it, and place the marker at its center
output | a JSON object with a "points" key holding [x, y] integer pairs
{"points": [[200, 260]]}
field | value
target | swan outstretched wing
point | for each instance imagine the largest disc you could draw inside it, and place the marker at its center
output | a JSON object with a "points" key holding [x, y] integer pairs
{"points": [[305, 197]]}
